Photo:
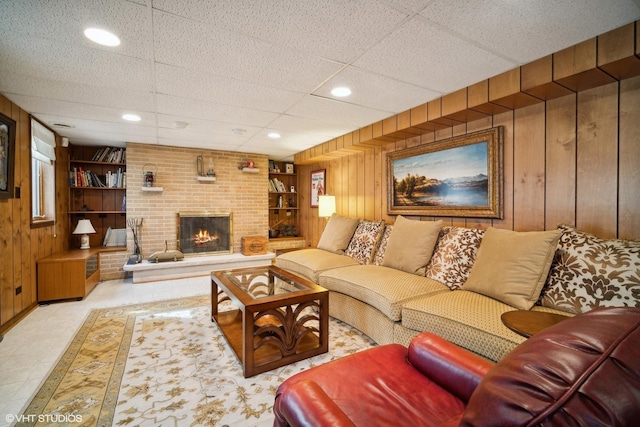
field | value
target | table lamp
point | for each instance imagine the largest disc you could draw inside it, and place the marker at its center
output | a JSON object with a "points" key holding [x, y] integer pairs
{"points": [[85, 228], [326, 206]]}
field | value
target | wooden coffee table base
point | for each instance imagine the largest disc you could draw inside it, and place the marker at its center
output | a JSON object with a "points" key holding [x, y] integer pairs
{"points": [[272, 332]]}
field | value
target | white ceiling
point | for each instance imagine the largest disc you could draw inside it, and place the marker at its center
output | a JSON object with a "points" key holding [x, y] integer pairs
{"points": [[263, 65]]}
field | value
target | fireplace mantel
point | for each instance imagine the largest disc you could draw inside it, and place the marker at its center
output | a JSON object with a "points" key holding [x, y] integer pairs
{"points": [[194, 266]]}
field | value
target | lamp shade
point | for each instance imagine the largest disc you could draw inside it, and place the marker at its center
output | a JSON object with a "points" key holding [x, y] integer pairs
{"points": [[85, 228], [326, 206]]}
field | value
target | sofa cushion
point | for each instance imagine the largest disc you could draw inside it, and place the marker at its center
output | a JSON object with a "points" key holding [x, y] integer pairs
{"points": [[589, 272], [411, 244], [337, 233], [468, 319], [309, 263], [512, 266], [581, 371], [382, 246], [383, 288], [364, 241], [454, 255]]}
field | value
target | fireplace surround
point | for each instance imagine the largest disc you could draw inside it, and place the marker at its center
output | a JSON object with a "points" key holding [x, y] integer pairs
{"points": [[205, 233]]}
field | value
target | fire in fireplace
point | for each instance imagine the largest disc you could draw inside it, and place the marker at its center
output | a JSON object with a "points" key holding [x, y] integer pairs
{"points": [[204, 232]]}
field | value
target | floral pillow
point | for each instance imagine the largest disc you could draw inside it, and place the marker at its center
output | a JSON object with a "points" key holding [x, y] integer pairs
{"points": [[454, 255], [589, 272], [364, 241], [382, 246]]}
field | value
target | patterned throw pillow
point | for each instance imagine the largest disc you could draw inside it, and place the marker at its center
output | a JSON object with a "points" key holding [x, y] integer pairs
{"points": [[454, 255], [589, 272], [379, 256], [364, 241]]}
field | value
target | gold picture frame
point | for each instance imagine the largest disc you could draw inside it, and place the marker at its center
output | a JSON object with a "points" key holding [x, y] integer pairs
{"points": [[455, 177]]}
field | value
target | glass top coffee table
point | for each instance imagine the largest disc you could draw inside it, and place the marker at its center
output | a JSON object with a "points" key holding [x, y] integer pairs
{"points": [[281, 318]]}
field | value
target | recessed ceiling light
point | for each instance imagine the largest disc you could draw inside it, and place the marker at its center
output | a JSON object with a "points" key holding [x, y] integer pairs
{"points": [[273, 135], [180, 125], [341, 91], [102, 37], [131, 117], [238, 131]]}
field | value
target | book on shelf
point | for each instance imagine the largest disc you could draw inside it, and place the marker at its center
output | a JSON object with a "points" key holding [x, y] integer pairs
{"points": [[115, 237], [109, 155], [277, 186]]}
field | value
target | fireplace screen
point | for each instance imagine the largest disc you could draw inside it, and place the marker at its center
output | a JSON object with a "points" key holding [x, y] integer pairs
{"points": [[204, 233]]}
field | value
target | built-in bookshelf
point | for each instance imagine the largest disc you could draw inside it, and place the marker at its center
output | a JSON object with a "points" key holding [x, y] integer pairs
{"points": [[97, 186], [283, 199]]}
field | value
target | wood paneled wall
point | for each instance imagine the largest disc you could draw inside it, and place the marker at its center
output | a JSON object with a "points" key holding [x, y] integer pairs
{"points": [[20, 244], [573, 159]]}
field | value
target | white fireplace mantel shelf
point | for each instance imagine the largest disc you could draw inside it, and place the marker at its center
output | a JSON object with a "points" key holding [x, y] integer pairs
{"points": [[194, 266]]}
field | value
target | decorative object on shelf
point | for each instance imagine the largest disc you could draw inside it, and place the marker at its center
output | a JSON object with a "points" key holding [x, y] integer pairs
{"points": [[288, 167], [326, 206], [288, 231], [7, 151], [208, 175], [85, 228], [149, 175], [247, 165], [166, 255], [273, 230], [292, 189], [317, 185], [135, 224], [470, 185], [253, 245]]}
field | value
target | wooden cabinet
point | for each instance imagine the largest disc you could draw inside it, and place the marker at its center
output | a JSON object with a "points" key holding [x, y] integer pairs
{"points": [[283, 199], [97, 186], [69, 274]]}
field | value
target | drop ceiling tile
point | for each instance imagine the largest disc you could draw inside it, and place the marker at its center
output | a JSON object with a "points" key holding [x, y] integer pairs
{"points": [[423, 55], [206, 48], [191, 136], [84, 125], [376, 91], [192, 108], [76, 64], [204, 145], [298, 25], [115, 139], [526, 31], [41, 87], [337, 112], [205, 126], [287, 123], [64, 21], [68, 110], [409, 6], [188, 83]]}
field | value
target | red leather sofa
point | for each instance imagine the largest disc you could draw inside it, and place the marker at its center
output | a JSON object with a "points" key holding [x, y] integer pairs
{"points": [[582, 371]]}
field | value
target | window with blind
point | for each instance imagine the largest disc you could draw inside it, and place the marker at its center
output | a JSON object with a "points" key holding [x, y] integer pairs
{"points": [[43, 156]]}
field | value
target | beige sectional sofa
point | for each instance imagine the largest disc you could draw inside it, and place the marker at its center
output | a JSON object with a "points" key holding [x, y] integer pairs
{"points": [[393, 281]]}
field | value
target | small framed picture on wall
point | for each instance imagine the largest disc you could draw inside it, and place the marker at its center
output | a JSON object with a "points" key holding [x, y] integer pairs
{"points": [[289, 168], [317, 186]]}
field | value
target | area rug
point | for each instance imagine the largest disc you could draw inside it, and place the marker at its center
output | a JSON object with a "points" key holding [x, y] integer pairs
{"points": [[164, 363]]}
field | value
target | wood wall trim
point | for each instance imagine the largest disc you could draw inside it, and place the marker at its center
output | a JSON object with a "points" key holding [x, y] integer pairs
{"points": [[596, 62]]}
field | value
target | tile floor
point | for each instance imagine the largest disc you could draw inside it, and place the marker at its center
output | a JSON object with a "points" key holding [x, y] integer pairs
{"points": [[32, 347]]}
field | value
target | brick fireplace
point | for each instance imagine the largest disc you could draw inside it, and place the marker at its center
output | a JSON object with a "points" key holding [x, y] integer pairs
{"points": [[243, 196], [205, 233]]}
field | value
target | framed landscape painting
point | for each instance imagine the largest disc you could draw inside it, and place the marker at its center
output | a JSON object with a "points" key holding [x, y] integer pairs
{"points": [[7, 151], [457, 177]]}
